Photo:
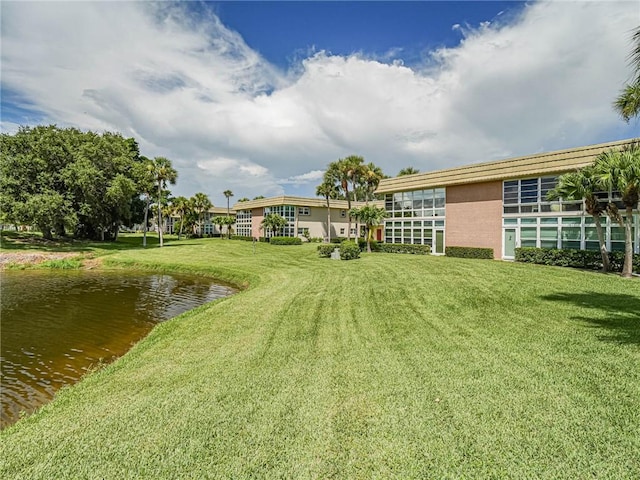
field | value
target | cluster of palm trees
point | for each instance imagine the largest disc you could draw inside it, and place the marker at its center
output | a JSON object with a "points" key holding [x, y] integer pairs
{"points": [[616, 170], [351, 179]]}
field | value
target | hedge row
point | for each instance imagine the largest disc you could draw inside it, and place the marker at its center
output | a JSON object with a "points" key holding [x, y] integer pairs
{"points": [[469, 252], [285, 241], [242, 237], [403, 248], [587, 259]]}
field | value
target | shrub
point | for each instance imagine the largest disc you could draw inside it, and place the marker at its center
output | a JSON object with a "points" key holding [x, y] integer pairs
{"points": [[242, 237], [403, 248], [325, 250], [469, 252], [316, 239], [338, 239], [362, 243], [349, 250], [587, 259], [285, 241]]}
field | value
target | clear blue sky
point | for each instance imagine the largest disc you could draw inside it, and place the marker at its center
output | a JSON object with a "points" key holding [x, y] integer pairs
{"points": [[258, 97], [282, 31]]}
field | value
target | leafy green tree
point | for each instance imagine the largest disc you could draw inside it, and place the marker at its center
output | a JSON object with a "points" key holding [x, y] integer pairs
{"points": [[274, 223], [329, 191], [370, 179], [628, 102], [163, 173], [619, 171], [201, 204], [66, 180], [407, 171], [146, 182], [371, 216], [579, 185], [259, 197], [243, 199]]}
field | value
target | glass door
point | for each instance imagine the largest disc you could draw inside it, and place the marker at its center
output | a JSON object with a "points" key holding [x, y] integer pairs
{"points": [[509, 242], [439, 247]]}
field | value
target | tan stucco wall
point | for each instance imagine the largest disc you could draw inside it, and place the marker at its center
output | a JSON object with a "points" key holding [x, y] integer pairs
{"points": [[317, 222], [474, 216]]}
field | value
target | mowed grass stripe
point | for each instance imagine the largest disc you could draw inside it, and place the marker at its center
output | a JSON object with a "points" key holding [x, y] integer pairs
{"points": [[391, 366]]}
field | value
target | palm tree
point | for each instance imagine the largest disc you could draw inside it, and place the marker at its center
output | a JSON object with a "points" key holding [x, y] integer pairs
{"points": [[228, 194], [163, 173], [371, 176], [219, 221], [407, 171], [579, 185], [146, 180], [228, 221], [628, 103], [619, 171], [181, 206], [201, 204], [272, 222], [371, 216], [342, 172], [329, 191]]}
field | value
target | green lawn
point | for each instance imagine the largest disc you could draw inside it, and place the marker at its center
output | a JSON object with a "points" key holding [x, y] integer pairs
{"points": [[390, 366]]}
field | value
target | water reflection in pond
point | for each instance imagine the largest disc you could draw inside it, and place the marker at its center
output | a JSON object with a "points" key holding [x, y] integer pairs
{"points": [[57, 325]]}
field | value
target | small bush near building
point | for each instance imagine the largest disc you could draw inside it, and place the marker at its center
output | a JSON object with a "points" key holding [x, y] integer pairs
{"points": [[241, 237], [404, 248], [349, 251], [362, 243], [325, 250], [285, 241], [586, 259], [338, 239], [469, 252]]}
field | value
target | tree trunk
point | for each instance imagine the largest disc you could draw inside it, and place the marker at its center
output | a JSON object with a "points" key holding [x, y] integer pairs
{"points": [[146, 221], [627, 268], [160, 213], [603, 246], [368, 233]]}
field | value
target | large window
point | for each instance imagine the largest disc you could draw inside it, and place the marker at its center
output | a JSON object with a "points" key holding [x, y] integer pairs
{"points": [[529, 195], [243, 223], [413, 217], [289, 214]]}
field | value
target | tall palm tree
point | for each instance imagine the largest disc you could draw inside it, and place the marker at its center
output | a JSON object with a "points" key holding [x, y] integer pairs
{"points": [[163, 173], [337, 173], [407, 171], [619, 170], [371, 216], [628, 102], [201, 204], [579, 185], [228, 194], [371, 176], [329, 191], [181, 206]]}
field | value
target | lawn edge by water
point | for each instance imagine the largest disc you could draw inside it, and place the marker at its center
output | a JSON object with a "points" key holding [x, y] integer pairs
{"points": [[277, 345]]}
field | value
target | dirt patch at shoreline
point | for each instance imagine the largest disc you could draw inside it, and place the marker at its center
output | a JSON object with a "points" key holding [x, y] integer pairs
{"points": [[34, 258]]}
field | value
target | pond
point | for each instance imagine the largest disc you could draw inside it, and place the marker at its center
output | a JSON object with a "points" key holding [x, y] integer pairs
{"points": [[57, 325]]}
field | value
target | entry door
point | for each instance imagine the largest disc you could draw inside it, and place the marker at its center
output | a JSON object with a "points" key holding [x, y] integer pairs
{"points": [[439, 242], [510, 242]]}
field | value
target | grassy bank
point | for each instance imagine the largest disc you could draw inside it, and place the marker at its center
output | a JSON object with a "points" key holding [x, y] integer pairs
{"points": [[391, 366]]}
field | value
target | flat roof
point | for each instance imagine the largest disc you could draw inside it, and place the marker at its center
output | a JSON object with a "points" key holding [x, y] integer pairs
{"points": [[298, 202], [556, 162]]}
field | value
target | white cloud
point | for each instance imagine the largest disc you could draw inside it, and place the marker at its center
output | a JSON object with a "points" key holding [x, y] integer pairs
{"points": [[192, 90], [313, 177]]}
